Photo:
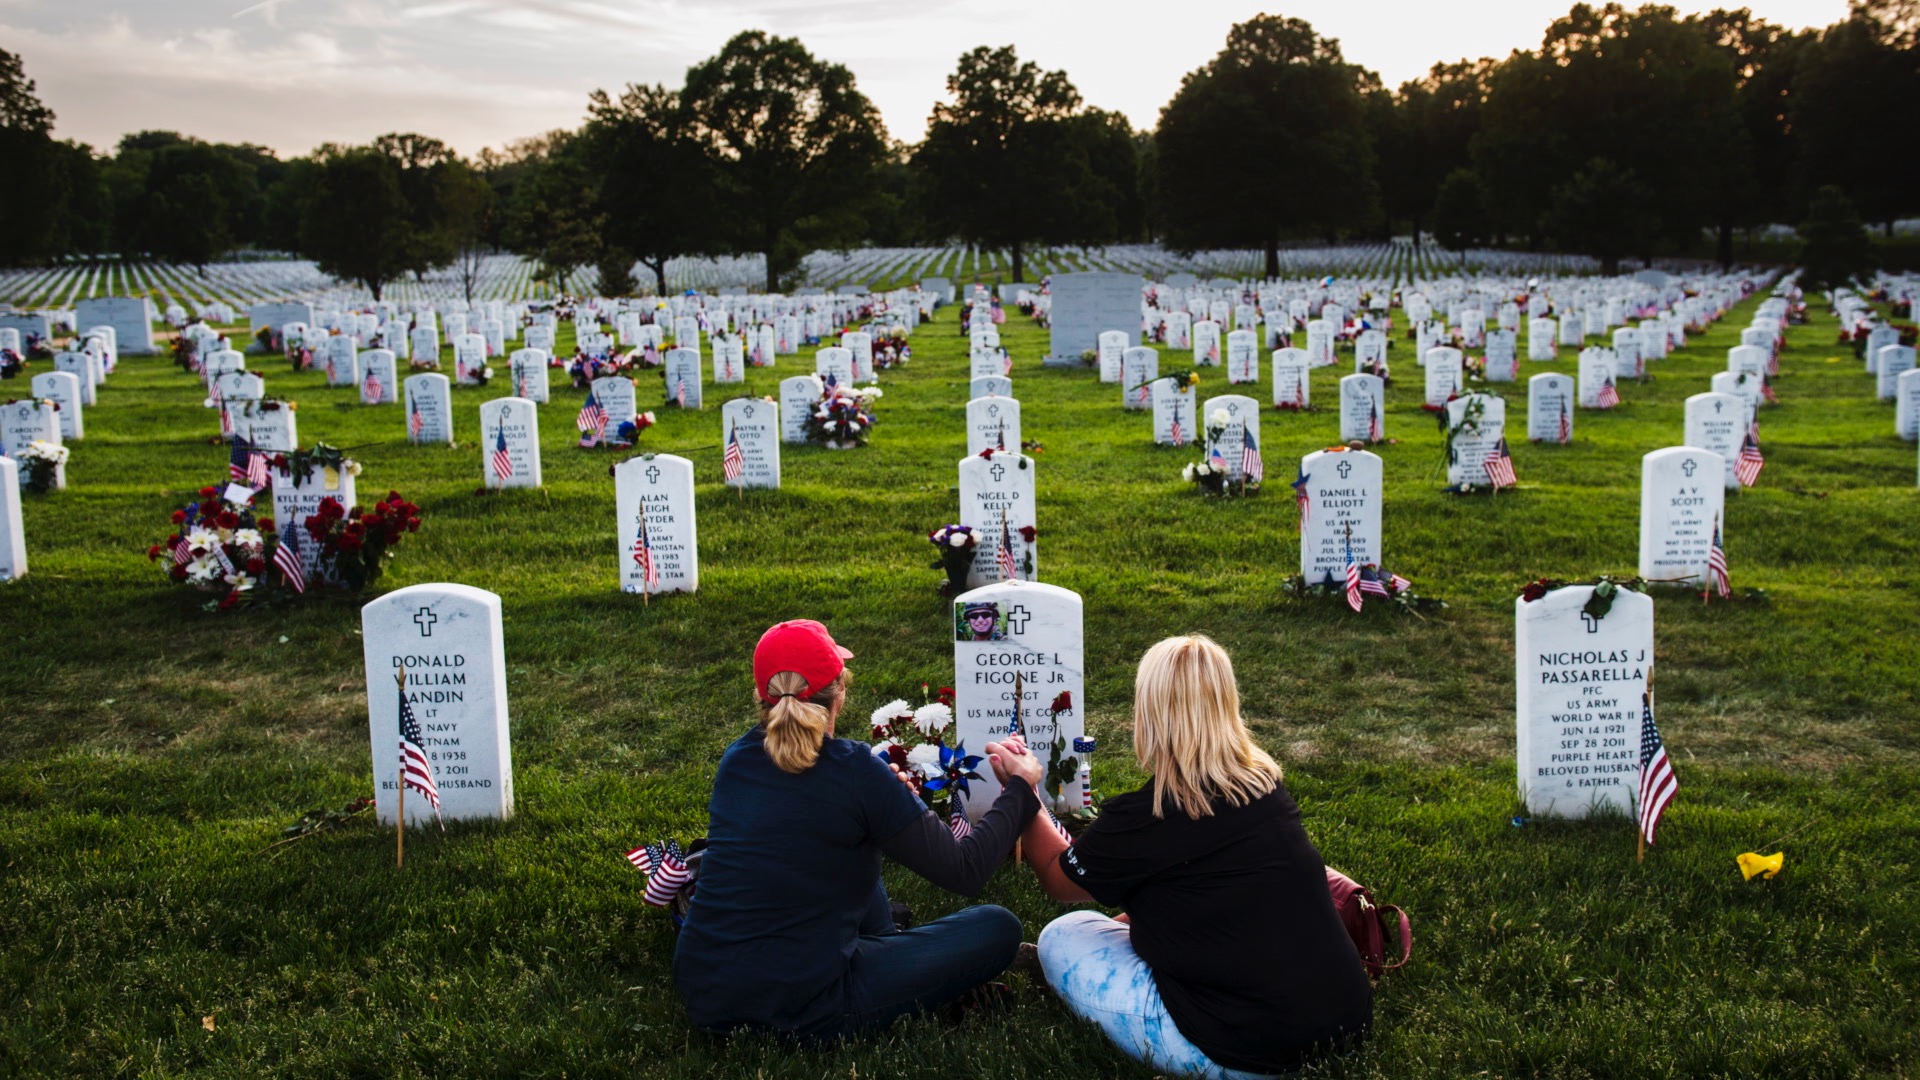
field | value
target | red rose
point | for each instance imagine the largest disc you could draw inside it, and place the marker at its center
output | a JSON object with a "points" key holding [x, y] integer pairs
{"points": [[1534, 591], [229, 600], [228, 519], [178, 573], [1027, 533], [153, 552], [393, 497], [413, 524], [256, 564], [208, 493], [179, 517], [265, 524]]}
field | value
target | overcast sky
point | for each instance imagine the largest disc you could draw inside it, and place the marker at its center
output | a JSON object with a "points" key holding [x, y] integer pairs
{"points": [[291, 74]]}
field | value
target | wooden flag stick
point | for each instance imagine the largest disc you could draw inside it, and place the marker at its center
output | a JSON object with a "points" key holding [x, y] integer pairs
{"points": [[400, 774]]}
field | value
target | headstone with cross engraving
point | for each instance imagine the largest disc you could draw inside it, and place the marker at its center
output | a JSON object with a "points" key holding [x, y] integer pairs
{"points": [[993, 422], [79, 366], [996, 490], [755, 423], [1682, 503], [1113, 347], [1033, 633], [1748, 358], [1363, 408], [859, 346], [654, 495], [990, 386], [298, 494], [1176, 420], [25, 422], [1446, 375], [1906, 405], [1319, 343], [63, 389], [1243, 357], [1476, 426], [1541, 339], [1339, 498], [683, 379], [1741, 385], [1550, 401], [1292, 389], [509, 443], [429, 405], [448, 642], [1717, 422], [986, 361], [615, 394], [1369, 351], [836, 362], [1596, 374], [527, 373], [729, 359], [1578, 683], [13, 536], [799, 396], [1139, 365], [1229, 419]]}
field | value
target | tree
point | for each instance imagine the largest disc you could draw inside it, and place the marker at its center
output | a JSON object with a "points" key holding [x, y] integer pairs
{"points": [[1008, 119], [1856, 71], [1834, 249], [1425, 135], [616, 272], [797, 146], [1764, 59], [469, 212], [355, 220], [44, 183], [657, 183], [1603, 210], [20, 105], [554, 219], [1266, 141], [1460, 218]]}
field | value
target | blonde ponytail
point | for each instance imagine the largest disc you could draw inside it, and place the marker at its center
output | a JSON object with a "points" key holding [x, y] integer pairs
{"points": [[796, 727]]}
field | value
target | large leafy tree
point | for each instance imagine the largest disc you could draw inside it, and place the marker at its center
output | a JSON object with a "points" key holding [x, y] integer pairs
{"points": [[50, 201], [797, 146], [1857, 71], [1426, 134], [656, 182], [1764, 57], [184, 200], [1008, 120], [1834, 249], [355, 221], [1268, 140], [554, 218]]}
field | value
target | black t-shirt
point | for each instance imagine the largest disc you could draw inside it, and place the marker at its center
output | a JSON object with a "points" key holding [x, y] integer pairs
{"points": [[789, 871], [1231, 913]]}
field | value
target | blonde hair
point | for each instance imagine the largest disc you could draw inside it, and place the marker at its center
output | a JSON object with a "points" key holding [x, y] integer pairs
{"points": [[796, 727], [1187, 730]]}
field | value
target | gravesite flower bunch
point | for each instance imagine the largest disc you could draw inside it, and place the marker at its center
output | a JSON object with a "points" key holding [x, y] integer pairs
{"points": [[354, 545], [40, 465], [915, 741], [38, 348], [11, 363], [218, 546], [843, 418], [584, 369], [627, 432], [956, 544]]}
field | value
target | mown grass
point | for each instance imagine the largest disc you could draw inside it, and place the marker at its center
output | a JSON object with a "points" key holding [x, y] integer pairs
{"points": [[151, 751]]}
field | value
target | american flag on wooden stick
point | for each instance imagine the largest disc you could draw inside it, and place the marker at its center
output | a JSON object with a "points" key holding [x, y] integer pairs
{"points": [[1301, 498], [680, 391], [732, 460], [1748, 465], [1374, 430], [1657, 783], [592, 417], [1499, 466], [1354, 599], [415, 771], [643, 553], [374, 389], [1009, 566], [1608, 396], [1566, 423], [1251, 465], [416, 422], [501, 460], [286, 558], [1717, 579]]}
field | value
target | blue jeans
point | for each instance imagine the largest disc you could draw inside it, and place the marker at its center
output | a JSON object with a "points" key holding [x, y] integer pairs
{"points": [[897, 972], [1090, 963]]}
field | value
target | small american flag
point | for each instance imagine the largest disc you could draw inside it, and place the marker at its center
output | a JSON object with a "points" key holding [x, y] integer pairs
{"points": [[958, 824], [374, 389], [1608, 396], [1748, 465], [1300, 391], [680, 391], [592, 417], [286, 557], [415, 772], [1009, 567], [1657, 783], [1215, 458], [1000, 437], [1499, 466], [1371, 582], [416, 421], [1717, 578], [732, 461], [1251, 466], [1766, 391], [1354, 599], [226, 419], [501, 460], [1301, 499], [238, 469], [1179, 433], [1566, 423], [666, 868], [643, 553], [182, 552], [1374, 431]]}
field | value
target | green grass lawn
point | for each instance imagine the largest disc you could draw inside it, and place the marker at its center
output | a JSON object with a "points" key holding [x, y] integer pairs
{"points": [[150, 753]]}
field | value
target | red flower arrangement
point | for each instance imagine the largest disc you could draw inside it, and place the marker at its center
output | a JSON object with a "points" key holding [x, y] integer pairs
{"points": [[351, 547]]}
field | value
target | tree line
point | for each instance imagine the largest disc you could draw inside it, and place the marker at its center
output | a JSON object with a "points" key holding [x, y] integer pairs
{"points": [[1626, 133]]}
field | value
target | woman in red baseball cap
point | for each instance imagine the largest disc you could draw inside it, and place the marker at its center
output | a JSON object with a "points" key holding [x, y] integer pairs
{"points": [[790, 928]]}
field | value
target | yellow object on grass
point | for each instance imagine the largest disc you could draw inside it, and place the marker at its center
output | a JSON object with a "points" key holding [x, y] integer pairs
{"points": [[1764, 865]]}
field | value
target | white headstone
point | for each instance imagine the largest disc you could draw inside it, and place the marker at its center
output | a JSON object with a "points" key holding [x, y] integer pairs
{"points": [[1596, 375], [1292, 389], [1717, 422], [755, 422], [1743, 386], [1682, 499], [683, 379], [1363, 408], [425, 344], [1175, 413], [1235, 416], [1139, 365], [1748, 358], [1344, 493], [511, 426], [1243, 357], [1628, 358], [798, 396], [995, 422], [1895, 361], [1034, 632], [859, 344], [1206, 343], [342, 361], [1550, 401], [469, 359], [379, 377], [1906, 405], [989, 488], [1503, 356], [1319, 343], [729, 359], [268, 425], [1578, 684], [1540, 339], [1112, 348], [662, 485], [996, 386], [429, 409], [527, 368], [1474, 440], [296, 496], [13, 537], [835, 361], [1446, 375], [616, 396], [63, 389], [449, 642]]}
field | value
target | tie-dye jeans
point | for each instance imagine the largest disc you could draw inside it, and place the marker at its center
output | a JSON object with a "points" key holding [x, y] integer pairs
{"points": [[1090, 962]]}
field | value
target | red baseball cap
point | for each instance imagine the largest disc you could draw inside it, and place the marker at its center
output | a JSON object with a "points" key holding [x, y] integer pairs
{"points": [[799, 645]]}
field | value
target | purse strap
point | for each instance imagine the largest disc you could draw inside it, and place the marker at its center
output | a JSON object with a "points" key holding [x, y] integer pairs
{"points": [[1406, 935]]}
